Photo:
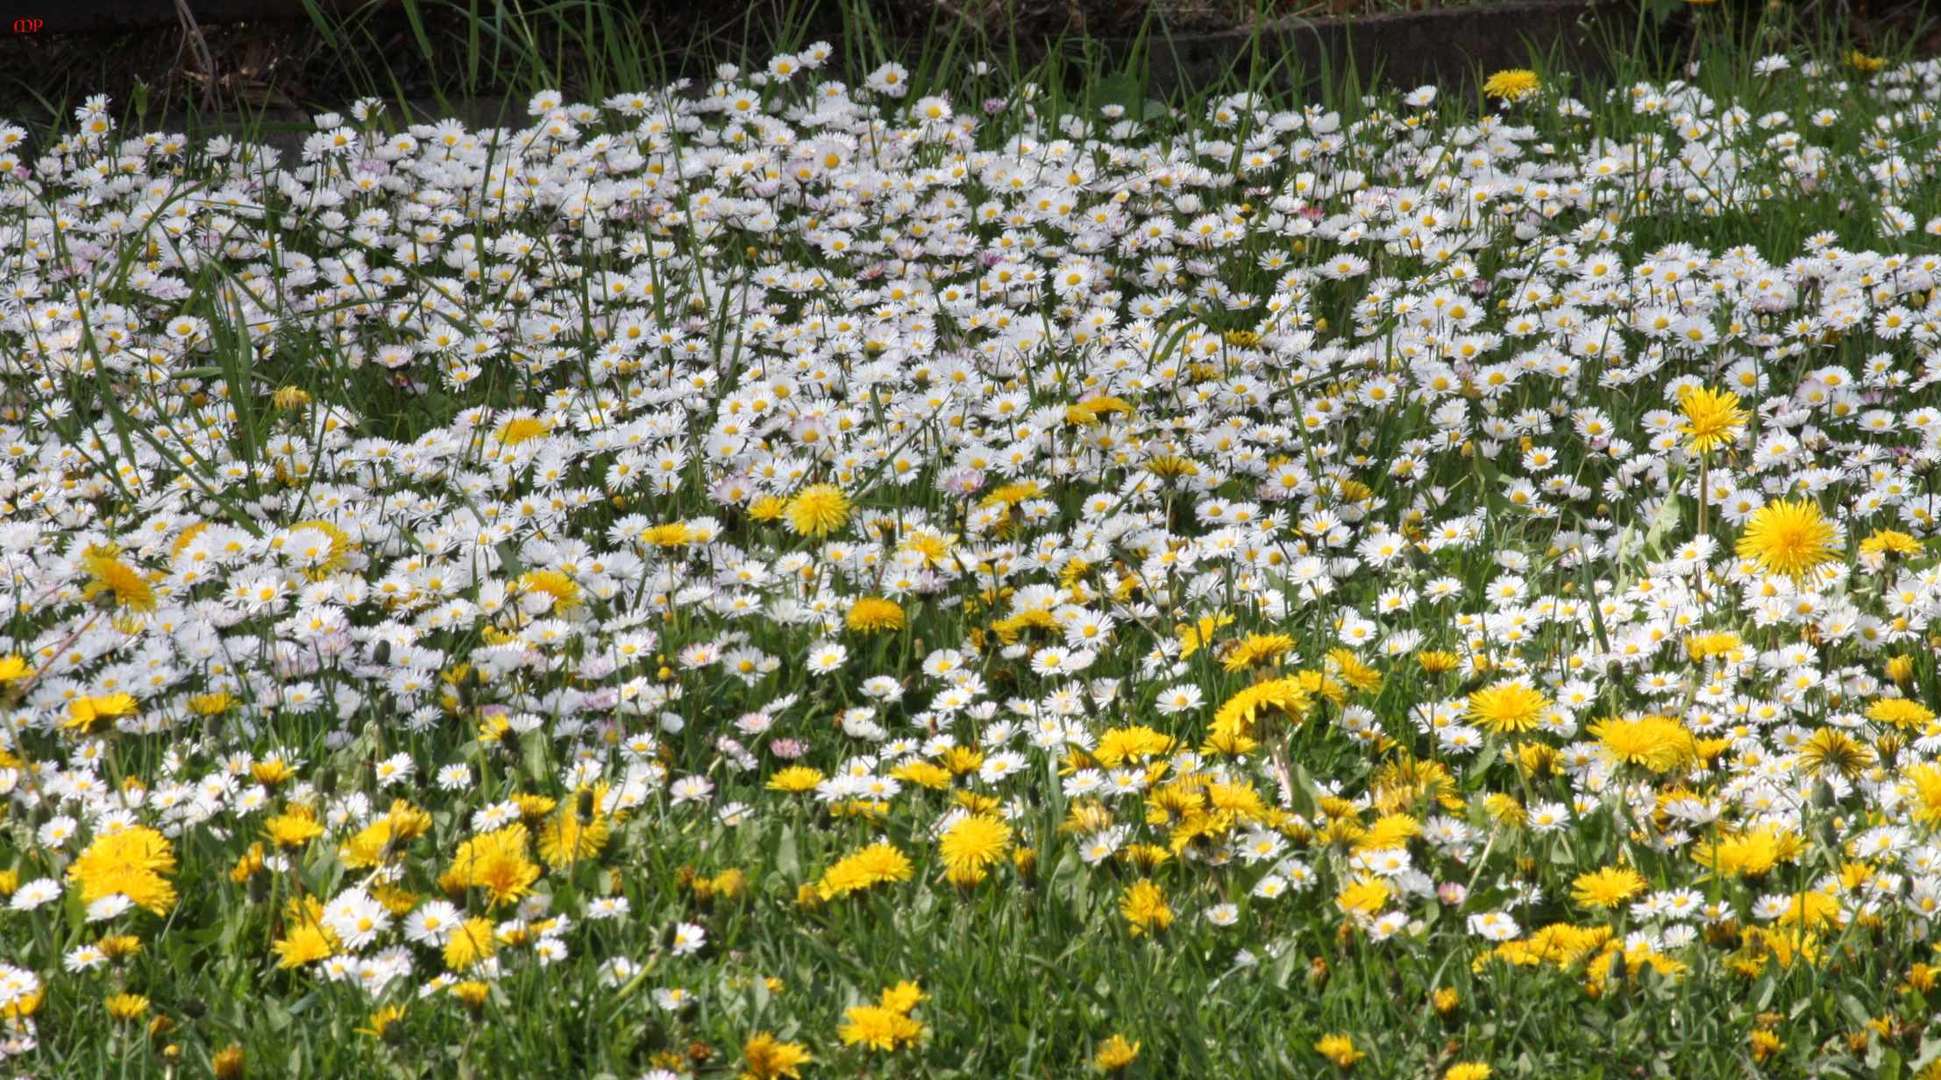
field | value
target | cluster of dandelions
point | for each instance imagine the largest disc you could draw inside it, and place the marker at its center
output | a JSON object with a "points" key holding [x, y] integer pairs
{"points": [[1287, 519]]}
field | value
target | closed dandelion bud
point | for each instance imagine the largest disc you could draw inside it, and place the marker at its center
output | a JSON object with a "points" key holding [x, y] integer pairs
{"points": [[259, 888], [1026, 861], [1901, 669], [172, 1053], [229, 1063], [1446, 1000], [1317, 972], [472, 993], [585, 808], [699, 1052], [1889, 745]]}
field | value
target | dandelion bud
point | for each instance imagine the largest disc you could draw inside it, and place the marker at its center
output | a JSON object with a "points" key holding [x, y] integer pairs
{"points": [[1901, 669]]}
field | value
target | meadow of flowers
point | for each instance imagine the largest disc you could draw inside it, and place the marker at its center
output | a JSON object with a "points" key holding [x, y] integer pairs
{"points": [[794, 577]]}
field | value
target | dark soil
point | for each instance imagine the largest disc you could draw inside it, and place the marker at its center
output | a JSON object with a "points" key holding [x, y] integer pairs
{"points": [[280, 71]]}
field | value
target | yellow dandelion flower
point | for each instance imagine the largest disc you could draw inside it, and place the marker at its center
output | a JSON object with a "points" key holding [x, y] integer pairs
{"points": [[108, 574], [125, 1007], [296, 826], [521, 429], [877, 864], [1195, 637], [1656, 743], [554, 583], [1864, 63], [1256, 650], [1790, 538], [1924, 784], [924, 773], [1607, 887], [818, 510], [795, 779], [1830, 749], [1902, 713], [379, 1024], [1509, 706], [496, 862], [1884, 542], [1233, 723], [1144, 908], [1365, 895], [971, 846], [1712, 417], [764, 1057], [1136, 743], [135, 861], [1747, 853], [886, 1025], [1512, 84], [85, 714], [472, 942], [1340, 1049], [872, 613], [1115, 1054], [570, 836], [305, 939]]}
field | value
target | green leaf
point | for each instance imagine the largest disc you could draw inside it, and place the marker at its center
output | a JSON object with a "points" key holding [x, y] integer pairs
{"points": [[536, 755], [788, 856], [1666, 521]]}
